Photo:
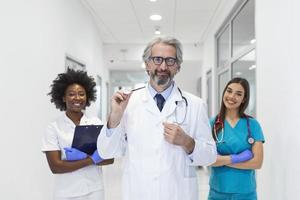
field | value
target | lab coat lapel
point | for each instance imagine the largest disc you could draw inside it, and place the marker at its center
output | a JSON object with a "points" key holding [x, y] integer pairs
{"points": [[149, 102], [170, 105]]}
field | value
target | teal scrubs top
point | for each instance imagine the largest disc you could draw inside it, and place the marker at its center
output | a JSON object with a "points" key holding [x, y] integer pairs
{"points": [[230, 180]]}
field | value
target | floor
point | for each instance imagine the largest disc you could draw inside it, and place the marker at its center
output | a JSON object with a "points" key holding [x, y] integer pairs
{"points": [[112, 180]]}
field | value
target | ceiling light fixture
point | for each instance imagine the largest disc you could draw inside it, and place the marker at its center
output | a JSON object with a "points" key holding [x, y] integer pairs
{"points": [[252, 41], [157, 31], [252, 67], [123, 52], [153, 0], [155, 17], [238, 73]]}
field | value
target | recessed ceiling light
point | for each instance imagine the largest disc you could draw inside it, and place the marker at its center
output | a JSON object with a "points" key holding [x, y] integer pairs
{"points": [[153, 0], [157, 31], [155, 17]]}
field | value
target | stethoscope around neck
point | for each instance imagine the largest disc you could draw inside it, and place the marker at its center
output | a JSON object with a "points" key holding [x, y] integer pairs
{"points": [[250, 139], [176, 102], [185, 111]]}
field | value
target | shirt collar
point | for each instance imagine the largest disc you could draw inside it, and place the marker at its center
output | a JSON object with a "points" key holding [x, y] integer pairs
{"points": [[166, 93], [83, 120]]}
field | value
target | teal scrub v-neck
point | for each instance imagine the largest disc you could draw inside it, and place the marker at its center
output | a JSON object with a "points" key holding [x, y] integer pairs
{"points": [[230, 180]]}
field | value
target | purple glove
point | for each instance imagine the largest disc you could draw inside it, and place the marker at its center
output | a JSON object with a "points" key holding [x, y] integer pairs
{"points": [[241, 157], [96, 157], [74, 154]]}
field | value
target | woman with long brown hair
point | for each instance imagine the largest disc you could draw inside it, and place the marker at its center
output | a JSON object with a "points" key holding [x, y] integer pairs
{"points": [[239, 140]]}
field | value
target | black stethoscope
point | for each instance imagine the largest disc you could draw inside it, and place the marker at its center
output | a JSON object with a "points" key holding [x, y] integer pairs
{"points": [[185, 110], [250, 139]]}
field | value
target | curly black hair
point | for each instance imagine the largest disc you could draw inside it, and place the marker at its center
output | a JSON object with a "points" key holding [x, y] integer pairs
{"points": [[63, 80]]}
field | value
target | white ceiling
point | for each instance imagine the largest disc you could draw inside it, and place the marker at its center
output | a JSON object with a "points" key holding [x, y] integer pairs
{"points": [[127, 21], [124, 25]]}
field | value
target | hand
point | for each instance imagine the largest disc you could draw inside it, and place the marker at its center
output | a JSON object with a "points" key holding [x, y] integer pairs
{"points": [[174, 134], [241, 157], [74, 154], [96, 157], [119, 103]]}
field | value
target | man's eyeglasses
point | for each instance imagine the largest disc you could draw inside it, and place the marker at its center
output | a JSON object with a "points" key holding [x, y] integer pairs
{"points": [[168, 60]]}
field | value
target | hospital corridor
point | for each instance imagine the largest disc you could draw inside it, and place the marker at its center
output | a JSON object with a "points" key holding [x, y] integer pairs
{"points": [[149, 99]]}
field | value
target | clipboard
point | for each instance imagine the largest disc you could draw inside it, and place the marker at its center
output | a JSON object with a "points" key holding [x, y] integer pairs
{"points": [[85, 138]]}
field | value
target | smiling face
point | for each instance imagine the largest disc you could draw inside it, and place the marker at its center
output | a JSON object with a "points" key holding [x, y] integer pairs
{"points": [[234, 96], [75, 98], [161, 75]]}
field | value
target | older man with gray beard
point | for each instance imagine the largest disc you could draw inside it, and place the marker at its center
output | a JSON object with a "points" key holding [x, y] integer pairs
{"points": [[161, 131]]}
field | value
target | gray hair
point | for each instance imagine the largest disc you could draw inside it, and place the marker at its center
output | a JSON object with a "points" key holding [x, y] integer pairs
{"points": [[165, 40]]}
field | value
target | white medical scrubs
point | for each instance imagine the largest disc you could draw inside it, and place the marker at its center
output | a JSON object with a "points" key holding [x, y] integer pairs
{"points": [[84, 183]]}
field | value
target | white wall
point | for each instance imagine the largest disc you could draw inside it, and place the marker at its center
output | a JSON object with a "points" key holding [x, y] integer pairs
{"points": [[278, 95], [35, 36], [191, 68], [186, 79]]}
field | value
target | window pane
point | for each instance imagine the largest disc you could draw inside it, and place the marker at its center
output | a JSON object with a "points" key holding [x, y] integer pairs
{"points": [[245, 67], [223, 79], [223, 48], [243, 33]]}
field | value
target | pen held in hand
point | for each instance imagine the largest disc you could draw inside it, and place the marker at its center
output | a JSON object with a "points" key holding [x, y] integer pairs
{"points": [[130, 91]]}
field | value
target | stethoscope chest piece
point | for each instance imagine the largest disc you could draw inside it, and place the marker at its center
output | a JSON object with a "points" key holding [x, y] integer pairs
{"points": [[250, 140]]}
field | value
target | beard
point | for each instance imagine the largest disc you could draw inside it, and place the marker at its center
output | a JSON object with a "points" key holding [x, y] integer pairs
{"points": [[161, 80]]}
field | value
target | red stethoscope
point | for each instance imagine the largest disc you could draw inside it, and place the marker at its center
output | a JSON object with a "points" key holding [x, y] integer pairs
{"points": [[250, 139]]}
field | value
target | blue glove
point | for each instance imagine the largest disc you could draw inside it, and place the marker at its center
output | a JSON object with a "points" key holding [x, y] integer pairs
{"points": [[96, 157], [241, 157], [74, 154]]}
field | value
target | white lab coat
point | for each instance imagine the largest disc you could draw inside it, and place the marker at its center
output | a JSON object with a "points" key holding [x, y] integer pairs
{"points": [[153, 168]]}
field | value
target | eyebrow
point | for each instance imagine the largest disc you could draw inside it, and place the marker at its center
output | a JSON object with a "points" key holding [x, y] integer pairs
{"points": [[69, 91], [238, 91]]}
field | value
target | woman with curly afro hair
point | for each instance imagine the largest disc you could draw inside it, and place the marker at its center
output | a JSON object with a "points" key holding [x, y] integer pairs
{"points": [[77, 175]]}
